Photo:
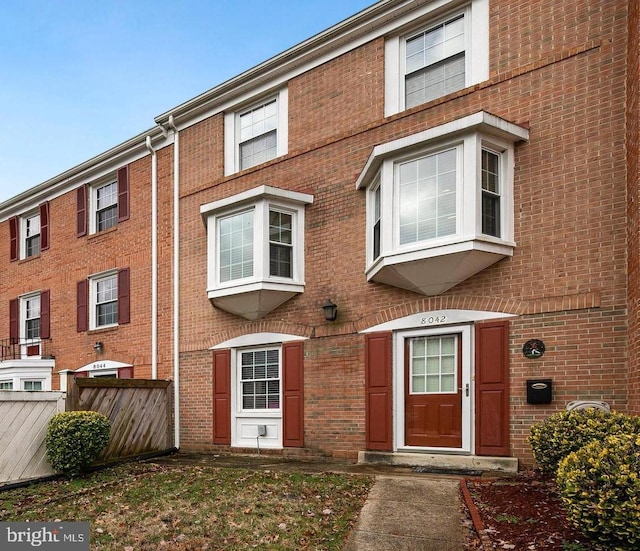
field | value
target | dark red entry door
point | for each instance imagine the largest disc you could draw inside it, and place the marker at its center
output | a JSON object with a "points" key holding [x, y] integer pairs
{"points": [[433, 391]]}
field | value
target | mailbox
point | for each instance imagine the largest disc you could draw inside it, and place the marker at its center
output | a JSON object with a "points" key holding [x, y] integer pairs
{"points": [[539, 391]]}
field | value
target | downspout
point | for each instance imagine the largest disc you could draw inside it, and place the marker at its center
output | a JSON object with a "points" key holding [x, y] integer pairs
{"points": [[176, 280], [154, 259]]}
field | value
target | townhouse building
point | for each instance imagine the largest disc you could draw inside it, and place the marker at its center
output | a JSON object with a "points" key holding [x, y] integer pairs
{"points": [[405, 239]]}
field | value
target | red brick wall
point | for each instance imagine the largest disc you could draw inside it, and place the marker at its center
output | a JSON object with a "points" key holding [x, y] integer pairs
{"points": [[561, 70]]}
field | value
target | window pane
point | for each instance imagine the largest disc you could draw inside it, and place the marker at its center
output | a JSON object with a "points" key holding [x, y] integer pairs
{"points": [[260, 373], [32, 246], [435, 359], [490, 194], [235, 237], [258, 150], [106, 218], [427, 193], [107, 313]]}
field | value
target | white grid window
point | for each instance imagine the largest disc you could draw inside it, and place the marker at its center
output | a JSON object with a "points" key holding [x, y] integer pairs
{"points": [[236, 246], [32, 235], [258, 141], [106, 206], [31, 307], [427, 197], [490, 193], [280, 244], [435, 62], [260, 379], [433, 365], [32, 385], [6, 385], [105, 293]]}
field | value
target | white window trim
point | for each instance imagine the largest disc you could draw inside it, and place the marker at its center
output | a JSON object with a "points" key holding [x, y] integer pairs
{"points": [[261, 199], [93, 298], [23, 233], [93, 201], [471, 133], [23, 316], [476, 15], [231, 129]]}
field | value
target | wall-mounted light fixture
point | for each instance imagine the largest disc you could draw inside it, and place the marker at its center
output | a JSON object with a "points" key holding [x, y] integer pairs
{"points": [[98, 347], [330, 310]]}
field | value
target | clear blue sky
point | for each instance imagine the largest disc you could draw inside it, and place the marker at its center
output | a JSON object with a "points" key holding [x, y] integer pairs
{"points": [[78, 77]]}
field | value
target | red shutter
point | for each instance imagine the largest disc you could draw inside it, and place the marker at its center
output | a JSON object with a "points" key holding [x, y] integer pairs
{"points": [[44, 226], [125, 373], [82, 305], [492, 388], [123, 194], [124, 296], [293, 394], [14, 242], [14, 320], [378, 367], [222, 397], [81, 211], [45, 314]]}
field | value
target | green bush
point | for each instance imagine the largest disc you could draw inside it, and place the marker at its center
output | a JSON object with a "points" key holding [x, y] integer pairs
{"points": [[600, 488], [75, 439], [567, 431]]}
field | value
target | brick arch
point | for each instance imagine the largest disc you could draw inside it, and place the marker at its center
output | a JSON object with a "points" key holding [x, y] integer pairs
{"points": [[259, 327], [447, 302]]}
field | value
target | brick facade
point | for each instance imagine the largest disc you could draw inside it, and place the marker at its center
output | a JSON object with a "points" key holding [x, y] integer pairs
{"points": [[566, 73]]}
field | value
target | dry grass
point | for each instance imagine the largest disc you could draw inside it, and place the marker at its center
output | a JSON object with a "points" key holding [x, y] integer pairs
{"points": [[151, 506]]}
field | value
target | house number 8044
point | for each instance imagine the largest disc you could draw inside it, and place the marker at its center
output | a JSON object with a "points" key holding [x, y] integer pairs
{"points": [[433, 320]]}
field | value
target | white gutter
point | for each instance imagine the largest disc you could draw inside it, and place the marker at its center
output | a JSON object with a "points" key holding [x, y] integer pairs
{"points": [[154, 258], [176, 280]]}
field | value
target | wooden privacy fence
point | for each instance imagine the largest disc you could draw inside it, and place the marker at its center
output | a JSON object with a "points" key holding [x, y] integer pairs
{"points": [[139, 410], [24, 419]]}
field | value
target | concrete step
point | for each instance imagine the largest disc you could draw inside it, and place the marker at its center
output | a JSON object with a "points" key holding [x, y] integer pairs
{"points": [[440, 461]]}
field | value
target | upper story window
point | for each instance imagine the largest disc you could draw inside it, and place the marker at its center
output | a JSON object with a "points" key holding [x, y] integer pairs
{"points": [[103, 204], [440, 203], [29, 234], [256, 133], [30, 306], [255, 249], [441, 54], [103, 300], [29, 321]]}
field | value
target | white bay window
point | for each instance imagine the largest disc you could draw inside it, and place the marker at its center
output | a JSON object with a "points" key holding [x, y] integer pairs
{"points": [[440, 203], [255, 250]]}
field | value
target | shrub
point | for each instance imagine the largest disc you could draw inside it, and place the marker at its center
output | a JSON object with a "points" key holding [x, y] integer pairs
{"points": [[75, 439], [567, 431], [600, 488]]}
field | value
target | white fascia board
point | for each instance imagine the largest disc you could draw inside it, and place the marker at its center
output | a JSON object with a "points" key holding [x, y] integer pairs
{"points": [[480, 121], [92, 169], [260, 192], [258, 339], [381, 19]]}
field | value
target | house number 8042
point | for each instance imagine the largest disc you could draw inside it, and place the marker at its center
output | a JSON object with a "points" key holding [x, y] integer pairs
{"points": [[433, 320]]}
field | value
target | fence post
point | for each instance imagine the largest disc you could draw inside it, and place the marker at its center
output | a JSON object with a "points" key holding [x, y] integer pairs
{"points": [[73, 393]]}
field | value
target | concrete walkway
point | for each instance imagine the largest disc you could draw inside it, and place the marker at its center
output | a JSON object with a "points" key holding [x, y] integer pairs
{"points": [[410, 513]]}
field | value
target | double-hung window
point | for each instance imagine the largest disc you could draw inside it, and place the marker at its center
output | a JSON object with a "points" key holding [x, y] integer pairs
{"points": [[31, 226], [105, 199], [437, 53], [259, 378], [31, 317], [103, 300], [104, 293], [256, 132], [103, 203], [255, 249], [440, 203]]}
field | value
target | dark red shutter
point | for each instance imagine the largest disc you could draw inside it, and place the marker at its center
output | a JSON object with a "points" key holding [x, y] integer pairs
{"points": [[82, 305], [124, 296], [125, 372], [378, 399], [14, 241], [222, 396], [44, 226], [123, 194], [14, 320], [45, 314], [492, 388], [81, 211], [293, 394]]}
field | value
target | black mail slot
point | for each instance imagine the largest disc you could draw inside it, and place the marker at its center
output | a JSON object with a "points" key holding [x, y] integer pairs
{"points": [[539, 391]]}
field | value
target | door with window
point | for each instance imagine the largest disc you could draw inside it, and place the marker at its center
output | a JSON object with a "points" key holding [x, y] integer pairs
{"points": [[433, 390]]}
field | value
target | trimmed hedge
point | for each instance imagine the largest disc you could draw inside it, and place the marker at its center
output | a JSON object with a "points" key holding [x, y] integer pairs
{"points": [[568, 431], [75, 439], [600, 488]]}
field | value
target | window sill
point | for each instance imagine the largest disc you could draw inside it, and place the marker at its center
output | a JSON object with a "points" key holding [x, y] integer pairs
{"points": [[105, 329]]}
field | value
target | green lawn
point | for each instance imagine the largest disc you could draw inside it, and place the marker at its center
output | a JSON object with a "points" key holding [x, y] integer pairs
{"points": [[148, 506]]}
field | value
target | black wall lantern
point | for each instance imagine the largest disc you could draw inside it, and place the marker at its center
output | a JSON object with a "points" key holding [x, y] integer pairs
{"points": [[98, 347], [330, 310]]}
